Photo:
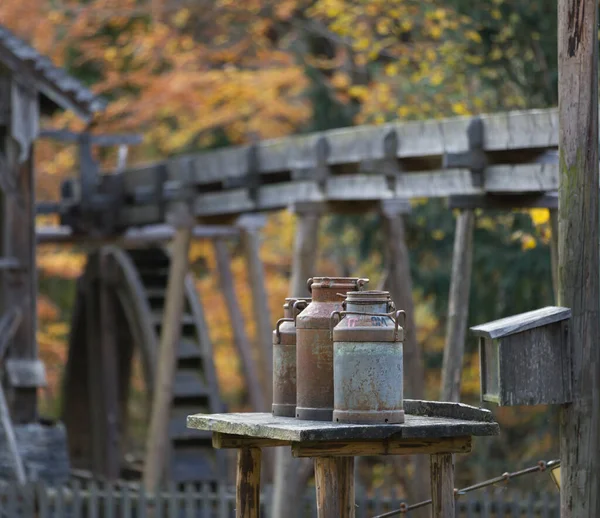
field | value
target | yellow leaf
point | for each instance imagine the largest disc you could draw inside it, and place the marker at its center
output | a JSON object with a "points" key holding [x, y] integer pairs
{"points": [[358, 91], [403, 111], [361, 44], [437, 77], [436, 32], [181, 18], [340, 80], [473, 36], [391, 70], [496, 14], [460, 108], [528, 242], [110, 54], [539, 216]]}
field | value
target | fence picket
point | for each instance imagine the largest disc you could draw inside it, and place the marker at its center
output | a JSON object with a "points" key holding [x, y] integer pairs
{"points": [[125, 506], [190, 501], [142, 503], [223, 507], [42, 496], [76, 500]]}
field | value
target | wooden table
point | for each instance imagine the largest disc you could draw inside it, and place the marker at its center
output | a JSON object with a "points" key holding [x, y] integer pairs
{"points": [[437, 429]]}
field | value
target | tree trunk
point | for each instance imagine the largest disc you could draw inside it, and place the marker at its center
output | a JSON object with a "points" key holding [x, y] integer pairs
{"points": [[578, 252]]}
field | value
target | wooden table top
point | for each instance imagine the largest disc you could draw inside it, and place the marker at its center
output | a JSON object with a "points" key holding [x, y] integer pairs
{"points": [[424, 419]]}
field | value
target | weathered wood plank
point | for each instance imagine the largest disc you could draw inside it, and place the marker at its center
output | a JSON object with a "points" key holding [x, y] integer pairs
{"points": [[522, 322], [224, 440], [334, 481], [442, 485], [291, 429], [521, 178], [436, 184], [386, 447], [247, 496]]}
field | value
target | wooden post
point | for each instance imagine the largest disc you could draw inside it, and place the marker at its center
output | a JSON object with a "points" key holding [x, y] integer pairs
{"points": [[240, 338], [442, 485], [260, 307], [291, 474], [18, 242], [101, 374], [247, 494], [578, 252], [554, 251], [334, 481], [157, 444], [400, 288], [458, 306]]}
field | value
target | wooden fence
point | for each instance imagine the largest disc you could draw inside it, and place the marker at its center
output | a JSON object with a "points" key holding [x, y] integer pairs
{"points": [[93, 500]]}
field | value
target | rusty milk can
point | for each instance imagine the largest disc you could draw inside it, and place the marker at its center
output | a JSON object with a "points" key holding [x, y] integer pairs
{"points": [[314, 346], [284, 358], [367, 360]]}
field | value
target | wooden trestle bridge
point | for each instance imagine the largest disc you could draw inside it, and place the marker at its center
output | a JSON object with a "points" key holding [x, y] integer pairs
{"points": [[505, 160]]}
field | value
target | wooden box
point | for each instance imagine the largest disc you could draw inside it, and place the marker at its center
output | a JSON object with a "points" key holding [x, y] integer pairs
{"points": [[525, 358]]}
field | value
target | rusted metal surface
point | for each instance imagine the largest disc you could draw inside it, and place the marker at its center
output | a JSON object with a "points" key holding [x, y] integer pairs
{"points": [[284, 358], [367, 359], [314, 346]]}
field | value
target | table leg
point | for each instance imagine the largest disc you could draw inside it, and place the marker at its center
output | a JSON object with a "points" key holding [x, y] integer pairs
{"points": [[334, 478], [442, 485], [247, 495]]}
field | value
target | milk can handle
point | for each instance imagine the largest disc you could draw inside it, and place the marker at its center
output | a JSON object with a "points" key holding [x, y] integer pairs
{"points": [[394, 315], [309, 284], [279, 322], [296, 309], [360, 283]]}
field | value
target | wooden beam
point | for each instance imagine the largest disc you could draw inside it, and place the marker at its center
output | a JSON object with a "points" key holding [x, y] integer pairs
{"points": [[334, 481], [247, 494], [157, 444], [225, 440], [387, 447], [458, 306], [578, 255], [145, 236], [442, 486], [504, 201]]}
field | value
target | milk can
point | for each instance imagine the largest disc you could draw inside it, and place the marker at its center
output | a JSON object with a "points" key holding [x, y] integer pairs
{"points": [[314, 346], [367, 360], [284, 358]]}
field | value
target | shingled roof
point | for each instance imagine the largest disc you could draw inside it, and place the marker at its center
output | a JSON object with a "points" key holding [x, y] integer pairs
{"points": [[52, 82]]}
